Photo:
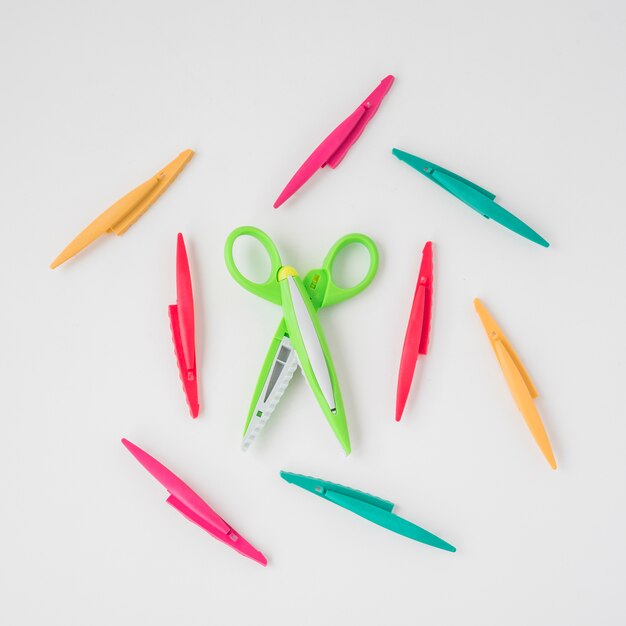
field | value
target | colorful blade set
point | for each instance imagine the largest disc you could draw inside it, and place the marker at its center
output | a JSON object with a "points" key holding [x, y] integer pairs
{"points": [[299, 340], [416, 343]]}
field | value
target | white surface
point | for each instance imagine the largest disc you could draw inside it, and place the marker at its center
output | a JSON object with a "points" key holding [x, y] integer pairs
{"points": [[525, 98]]}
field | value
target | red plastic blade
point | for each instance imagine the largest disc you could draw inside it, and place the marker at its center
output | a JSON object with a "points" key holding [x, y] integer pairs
{"points": [[183, 328], [187, 377], [426, 278], [184, 300], [418, 329]]}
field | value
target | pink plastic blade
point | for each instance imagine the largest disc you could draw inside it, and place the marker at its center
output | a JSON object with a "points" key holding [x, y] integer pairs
{"points": [[183, 328], [334, 148], [320, 155], [231, 538], [178, 488], [418, 330], [371, 104]]}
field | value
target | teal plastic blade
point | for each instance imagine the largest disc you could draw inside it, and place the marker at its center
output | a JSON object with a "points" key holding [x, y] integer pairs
{"points": [[475, 197], [369, 507]]}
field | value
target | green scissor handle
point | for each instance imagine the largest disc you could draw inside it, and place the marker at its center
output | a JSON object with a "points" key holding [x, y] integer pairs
{"points": [[320, 284], [270, 289]]}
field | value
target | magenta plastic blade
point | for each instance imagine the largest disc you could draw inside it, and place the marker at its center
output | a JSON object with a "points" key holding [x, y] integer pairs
{"points": [[320, 156], [192, 506], [177, 487], [232, 538], [334, 148], [371, 104], [418, 329]]}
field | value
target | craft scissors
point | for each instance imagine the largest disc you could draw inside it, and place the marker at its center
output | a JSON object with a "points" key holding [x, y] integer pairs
{"points": [[299, 339]]}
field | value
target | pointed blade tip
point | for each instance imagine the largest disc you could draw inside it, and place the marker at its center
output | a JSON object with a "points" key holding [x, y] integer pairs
{"points": [[58, 261], [399, 411]]}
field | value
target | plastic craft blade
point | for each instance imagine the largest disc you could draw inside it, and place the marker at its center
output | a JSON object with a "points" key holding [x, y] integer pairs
{"points": [[182, 324], [126, 211], [371, 508], [335, 147], [520, 385], [418, 329], [471, 194]]}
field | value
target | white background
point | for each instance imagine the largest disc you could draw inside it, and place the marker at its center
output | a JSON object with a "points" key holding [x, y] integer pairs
{"points": [[527, 99]]}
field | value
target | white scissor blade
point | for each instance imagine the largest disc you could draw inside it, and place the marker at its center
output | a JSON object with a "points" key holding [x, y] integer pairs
{"points": [[282, 370], [312, 344]]}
